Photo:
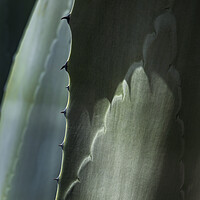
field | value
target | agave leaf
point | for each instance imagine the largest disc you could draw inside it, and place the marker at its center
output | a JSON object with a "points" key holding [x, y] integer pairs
{"points": [[30, 129], [123, 136], [123, 151], [12, 24]]}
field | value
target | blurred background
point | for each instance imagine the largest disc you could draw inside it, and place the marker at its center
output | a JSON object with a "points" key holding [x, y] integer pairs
{"points": [[13, 19]]}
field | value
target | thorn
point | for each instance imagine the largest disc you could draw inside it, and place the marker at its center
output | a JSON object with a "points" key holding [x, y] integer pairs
{"points": [[63, 112], [62, 67], [67, 87], [56, 179], [61, 145], [65, 66], [67, 18]]}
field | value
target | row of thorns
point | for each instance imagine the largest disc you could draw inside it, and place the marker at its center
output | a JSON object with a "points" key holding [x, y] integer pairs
{"points": [[65, 66]]}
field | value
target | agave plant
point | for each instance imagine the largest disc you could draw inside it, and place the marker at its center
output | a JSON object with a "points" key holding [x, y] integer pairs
{"points": [[129, 132]]}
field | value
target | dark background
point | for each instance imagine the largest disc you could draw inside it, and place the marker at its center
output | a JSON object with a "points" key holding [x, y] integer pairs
{"points": [[14, 16]]}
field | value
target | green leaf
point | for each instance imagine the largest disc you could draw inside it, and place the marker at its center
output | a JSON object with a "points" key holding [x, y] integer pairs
{"points": [[31, 126], [123, 140]]}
